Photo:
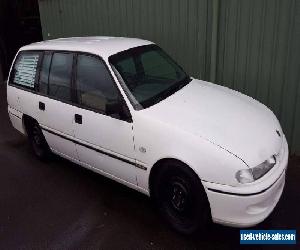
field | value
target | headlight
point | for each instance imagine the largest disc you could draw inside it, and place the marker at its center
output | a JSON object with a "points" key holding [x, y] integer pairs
{"points": [[244, 176], [252, 174]]}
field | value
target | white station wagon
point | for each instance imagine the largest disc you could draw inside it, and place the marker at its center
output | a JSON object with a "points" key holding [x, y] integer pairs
{"points": [[123, 108]]}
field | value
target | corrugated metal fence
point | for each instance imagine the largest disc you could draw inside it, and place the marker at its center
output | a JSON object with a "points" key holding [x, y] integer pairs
{"points": [[248, 45]]}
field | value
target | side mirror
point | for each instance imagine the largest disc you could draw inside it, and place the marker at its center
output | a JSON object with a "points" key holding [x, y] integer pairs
{"points": [[119, 110]]}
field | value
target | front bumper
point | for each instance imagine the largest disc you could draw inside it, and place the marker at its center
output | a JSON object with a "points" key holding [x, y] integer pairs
{"points": [[248, 205]]}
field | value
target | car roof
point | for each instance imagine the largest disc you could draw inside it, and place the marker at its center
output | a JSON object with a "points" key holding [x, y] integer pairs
{"points": [[103, 46]]}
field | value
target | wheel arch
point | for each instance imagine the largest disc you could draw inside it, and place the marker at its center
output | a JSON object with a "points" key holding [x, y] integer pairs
{"points": [[26, 122], [157, 167]]}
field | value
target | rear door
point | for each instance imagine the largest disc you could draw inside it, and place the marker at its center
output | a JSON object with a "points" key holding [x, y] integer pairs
{"points": [[105, 141], [54, 103]]}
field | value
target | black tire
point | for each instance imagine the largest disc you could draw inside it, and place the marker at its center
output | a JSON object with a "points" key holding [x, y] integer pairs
{"points": [[180, 198], [38, 142]]}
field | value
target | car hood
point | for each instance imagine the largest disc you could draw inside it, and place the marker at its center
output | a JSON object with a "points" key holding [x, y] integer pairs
{"points": [[233, 121]]}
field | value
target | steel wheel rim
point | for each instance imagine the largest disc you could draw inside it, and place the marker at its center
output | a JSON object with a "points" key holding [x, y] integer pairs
{"points": [[179, 196]]}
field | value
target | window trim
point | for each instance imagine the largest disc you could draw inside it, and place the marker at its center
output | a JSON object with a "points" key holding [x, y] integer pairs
{"points": [[74, 102], [71, 78], [122, 99], [40, 68], [113, 81]]}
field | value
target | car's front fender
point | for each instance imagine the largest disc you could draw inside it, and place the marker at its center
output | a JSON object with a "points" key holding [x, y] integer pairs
{"points": [[155, 140]]}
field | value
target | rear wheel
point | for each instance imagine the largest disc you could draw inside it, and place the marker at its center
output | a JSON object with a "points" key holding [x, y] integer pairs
{"points": [[37, 141], [180, 197]]}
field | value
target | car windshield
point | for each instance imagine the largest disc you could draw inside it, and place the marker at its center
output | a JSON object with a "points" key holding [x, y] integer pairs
{"points": [[147, 75]]}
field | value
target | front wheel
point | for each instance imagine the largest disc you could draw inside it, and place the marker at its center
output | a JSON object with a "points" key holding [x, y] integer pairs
{"points": [[180, 197]]}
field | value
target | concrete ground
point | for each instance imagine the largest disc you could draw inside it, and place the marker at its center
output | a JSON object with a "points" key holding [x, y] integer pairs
{"points": [[60, 205]]}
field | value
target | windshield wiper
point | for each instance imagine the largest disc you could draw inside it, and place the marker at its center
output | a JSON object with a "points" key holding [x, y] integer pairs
{"points": [[166, 93]]}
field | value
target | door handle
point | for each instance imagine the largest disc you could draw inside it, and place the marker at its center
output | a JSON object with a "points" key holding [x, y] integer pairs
{"points": [[41, 106], [78, 118]]}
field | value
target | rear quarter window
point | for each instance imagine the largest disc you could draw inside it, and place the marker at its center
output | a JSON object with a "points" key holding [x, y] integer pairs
{"points": [[25, 69]]}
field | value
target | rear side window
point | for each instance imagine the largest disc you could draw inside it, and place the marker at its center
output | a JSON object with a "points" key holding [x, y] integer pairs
{"points": [[60, 76], [25, 69]]}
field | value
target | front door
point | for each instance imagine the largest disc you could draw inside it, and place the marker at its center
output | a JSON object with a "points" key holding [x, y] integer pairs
{"points": [[104, 141]]}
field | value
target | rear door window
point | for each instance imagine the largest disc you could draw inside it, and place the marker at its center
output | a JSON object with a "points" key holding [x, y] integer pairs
{"points": [[60, 76], [25, 69], [44, 73]]}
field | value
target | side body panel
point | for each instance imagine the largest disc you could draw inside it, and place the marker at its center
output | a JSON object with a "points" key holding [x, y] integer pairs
{"points": [[65, 137], [14, 112], [108, 144], [58, 117]]}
